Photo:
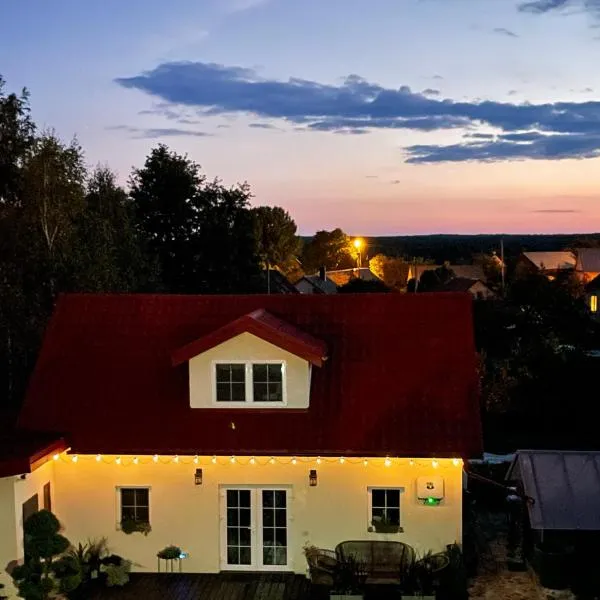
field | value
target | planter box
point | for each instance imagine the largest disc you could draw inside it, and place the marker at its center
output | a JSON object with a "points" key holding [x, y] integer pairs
{"points": [[345, 597]]}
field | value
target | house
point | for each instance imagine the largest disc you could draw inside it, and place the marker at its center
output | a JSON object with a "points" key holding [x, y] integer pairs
{"points": [[548, 263], [592, 291], [344, 276], [467, 271], [241, 428], [587, 265], [477, 288], [275, 282], [316, 284]]}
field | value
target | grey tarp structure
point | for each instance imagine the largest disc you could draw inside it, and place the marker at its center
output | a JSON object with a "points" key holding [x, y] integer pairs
{"points": [[564, 488]]}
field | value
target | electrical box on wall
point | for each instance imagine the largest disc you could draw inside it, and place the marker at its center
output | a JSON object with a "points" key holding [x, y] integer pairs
{"points": [[430, 489]]}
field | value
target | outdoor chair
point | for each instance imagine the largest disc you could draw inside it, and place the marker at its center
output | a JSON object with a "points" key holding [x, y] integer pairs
{"points": [[322, 565]]}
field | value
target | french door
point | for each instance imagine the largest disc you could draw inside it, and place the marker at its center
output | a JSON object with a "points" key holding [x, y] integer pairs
{"points": [[254, 528]]}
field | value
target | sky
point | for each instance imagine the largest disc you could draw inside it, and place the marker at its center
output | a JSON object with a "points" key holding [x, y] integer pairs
{"points": [[382, 117]]}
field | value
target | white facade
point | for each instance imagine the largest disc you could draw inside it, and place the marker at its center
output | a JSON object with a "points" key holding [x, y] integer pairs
{"points": [[194, 516]]}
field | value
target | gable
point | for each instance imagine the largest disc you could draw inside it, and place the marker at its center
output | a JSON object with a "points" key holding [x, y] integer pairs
{"points": [[248, 348]]}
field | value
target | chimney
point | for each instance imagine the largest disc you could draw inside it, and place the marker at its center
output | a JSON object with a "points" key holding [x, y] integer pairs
{"points": [[322, 273]]}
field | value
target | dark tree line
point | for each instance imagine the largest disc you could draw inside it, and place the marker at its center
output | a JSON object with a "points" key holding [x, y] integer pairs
{"points": [[65, 228]]}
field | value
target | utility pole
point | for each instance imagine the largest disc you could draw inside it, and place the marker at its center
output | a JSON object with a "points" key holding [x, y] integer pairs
{"points": [[502, 266]]}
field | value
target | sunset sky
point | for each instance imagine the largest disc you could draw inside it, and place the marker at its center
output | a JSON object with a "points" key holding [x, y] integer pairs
{"points": [[377, 116]]}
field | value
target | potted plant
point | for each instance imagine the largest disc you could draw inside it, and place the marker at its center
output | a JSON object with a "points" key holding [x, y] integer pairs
{"points": [[130, 526], [421, 577], [349, 579], [116, 570], [170, 553], [383, 525]]}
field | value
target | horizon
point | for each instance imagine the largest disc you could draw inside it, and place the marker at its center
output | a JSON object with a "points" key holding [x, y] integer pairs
{"points": [[418, 117]]}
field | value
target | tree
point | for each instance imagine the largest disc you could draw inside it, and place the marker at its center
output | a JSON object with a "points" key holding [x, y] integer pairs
{"points": [[36, 578], [434, 278], [330, 249], [391, 270], [363, 286], [275, 230], [200, 233]]}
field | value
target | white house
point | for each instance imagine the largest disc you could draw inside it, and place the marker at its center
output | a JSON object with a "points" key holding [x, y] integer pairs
{"points": [[241, 428]]}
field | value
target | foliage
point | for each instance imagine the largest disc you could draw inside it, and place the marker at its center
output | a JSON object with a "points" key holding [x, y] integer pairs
{"points": [[329, 249], [383, 525], [391, 270], [129, 526], [169, 553], [201, 234], [362, 286], [117, 572], [275, 231], [434, 278], [1, 596], [37, 578], [349, 576]]}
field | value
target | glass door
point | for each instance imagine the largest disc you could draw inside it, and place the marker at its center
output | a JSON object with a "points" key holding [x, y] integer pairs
{"points": [[255, 529]]}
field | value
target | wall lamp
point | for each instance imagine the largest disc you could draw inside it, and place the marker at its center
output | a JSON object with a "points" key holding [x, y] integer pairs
{"points": [[198, 477], [312, 477]]}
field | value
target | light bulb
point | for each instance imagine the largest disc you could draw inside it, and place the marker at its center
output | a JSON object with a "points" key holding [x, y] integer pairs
{"points": [[411, 462], [98, 457], [434, 464], [318, 460], [365, 462], [232, 459], [272, 461], [214, 460], [387, 461], [75, 458], [176, 458], [342, 460], [56, 457], [252, 460], [294, 461], [196, 459], [118, 460], [155, 458], [135, 460], [456, 462]]}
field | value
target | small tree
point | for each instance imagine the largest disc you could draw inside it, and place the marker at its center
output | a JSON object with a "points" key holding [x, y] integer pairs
{"points": [[36, 579]]}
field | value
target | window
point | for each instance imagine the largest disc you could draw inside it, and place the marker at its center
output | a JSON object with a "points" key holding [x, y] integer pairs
{"points": [[250, 382], [47, 497], [594, 303], [384, 509], [135, 504]]}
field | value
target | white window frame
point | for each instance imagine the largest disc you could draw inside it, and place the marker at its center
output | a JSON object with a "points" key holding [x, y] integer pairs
{"points": [[370, 505], [118, 501], [249, 401]]}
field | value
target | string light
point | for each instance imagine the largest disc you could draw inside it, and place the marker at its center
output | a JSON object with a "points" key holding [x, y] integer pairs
{"points": [[155, 458], [366, 462], [98, 457], [118, 460], [176, 459], [456, 462], [342, 460], [135, 460], [196, 459], [75, 458], [214, 460], [387, 461], [435, 464], [56, 457], [294, 461], [318, 460], [272, 461], [232, 459], [411, 462], [252, 460]]}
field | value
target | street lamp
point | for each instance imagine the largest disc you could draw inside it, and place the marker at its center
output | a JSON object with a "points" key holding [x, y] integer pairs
{"points": [[358, 244]]}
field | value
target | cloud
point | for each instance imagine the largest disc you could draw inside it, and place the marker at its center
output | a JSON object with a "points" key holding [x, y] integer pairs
{"points": [[371, 176], [141, 133], [505, 32], [512, 92], [544, 6], [395, 182], [357, 106], [438, 77], [430, 92], [262, 126], [556, 211]]}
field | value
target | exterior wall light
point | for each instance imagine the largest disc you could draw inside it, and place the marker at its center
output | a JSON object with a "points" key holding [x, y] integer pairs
{"points": [[312, 477], [198, 477]]}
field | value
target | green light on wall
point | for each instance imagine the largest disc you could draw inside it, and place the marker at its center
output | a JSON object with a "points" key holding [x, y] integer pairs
{"points": [[432, 501]]}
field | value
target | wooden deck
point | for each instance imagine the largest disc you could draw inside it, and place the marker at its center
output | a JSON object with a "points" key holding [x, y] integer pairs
{"points": [[219, 586]]}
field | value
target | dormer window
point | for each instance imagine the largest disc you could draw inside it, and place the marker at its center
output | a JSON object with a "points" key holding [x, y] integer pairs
{"points": [[257, 382]]}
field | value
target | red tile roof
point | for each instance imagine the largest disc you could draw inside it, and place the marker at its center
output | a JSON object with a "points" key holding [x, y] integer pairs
{"points": [[400, 379], [265, 326]]}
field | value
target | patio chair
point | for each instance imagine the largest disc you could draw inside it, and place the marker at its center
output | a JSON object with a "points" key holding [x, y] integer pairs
{"points": [[322, 565]]}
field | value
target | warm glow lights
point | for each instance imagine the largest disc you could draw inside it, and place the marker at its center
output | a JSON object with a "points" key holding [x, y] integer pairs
{"points": [[435, 464], [366, 462], [318, 460], [342, 460], [98, 457], [456, 462], [252, 461], [272, 461], [75, 458], [196, 459], [232, 459], [155, 458], [135, 460], [118, 460], [294, 461], [176, 459], [358, 243], [56, 457], [411, 462], [387, 461]]}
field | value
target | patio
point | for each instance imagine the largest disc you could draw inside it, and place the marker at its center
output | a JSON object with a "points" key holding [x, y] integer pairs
{"points": [[218, 586]]}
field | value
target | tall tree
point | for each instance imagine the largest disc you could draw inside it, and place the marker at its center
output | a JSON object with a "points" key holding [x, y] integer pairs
{"points": [[329, 249], [201, 233], [276, 236], [391, 270]]}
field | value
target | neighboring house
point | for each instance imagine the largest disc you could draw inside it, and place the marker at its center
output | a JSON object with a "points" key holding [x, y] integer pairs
{"points": [[587, 266], [467, 271], [477, 288], [275, 282], [316, 284], [244, 427], [344, 276], [592, 291], [547, 263]]}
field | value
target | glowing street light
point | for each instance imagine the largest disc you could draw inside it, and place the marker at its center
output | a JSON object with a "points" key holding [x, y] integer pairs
{"points": [[358, 244]]}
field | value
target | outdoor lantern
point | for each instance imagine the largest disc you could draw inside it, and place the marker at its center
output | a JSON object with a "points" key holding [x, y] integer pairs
{"points": [[312, 477], [198, 477]]}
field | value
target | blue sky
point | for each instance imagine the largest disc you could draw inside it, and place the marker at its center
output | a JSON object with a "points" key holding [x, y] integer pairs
{"points": [[381, 116]]}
